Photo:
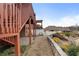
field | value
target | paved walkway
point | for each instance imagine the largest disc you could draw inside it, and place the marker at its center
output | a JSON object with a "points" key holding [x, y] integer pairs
{"points": [[40, 47]]}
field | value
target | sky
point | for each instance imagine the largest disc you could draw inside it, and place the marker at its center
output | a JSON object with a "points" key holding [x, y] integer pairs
{"points": [[57, 14]]}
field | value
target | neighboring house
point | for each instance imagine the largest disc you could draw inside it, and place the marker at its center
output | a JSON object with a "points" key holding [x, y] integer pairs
{"points": [[59, 29], [39, 27]]}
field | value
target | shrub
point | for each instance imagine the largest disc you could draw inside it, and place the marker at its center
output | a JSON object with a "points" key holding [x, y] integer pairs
{"points": [[56, 39], [64, 46], [67, 33], [73, 50]]}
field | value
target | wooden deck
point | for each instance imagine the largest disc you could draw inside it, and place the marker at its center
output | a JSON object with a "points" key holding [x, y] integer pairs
{"points": [[13, 17]]}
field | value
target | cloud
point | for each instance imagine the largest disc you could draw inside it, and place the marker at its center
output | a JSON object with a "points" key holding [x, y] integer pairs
{"points": [[69, 21], [65, 21]]}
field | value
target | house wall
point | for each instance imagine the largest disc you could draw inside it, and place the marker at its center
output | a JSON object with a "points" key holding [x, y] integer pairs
{"points": [[40, 32]]}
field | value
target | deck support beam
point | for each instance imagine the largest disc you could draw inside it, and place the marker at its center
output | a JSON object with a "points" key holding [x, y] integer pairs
{"points": [[34, 31], [30, 34], [17, 45]]}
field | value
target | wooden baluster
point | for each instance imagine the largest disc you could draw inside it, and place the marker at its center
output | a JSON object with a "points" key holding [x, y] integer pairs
{"points": [[20, 13], [10, 18], [14, 18], [4, 23], [17, 18], [8, 39], [2, 19], [13, 39], [3, 38], [6, 18]]}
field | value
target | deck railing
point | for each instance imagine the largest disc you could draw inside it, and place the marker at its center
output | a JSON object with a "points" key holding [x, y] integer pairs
{"points": [[13, 17]]}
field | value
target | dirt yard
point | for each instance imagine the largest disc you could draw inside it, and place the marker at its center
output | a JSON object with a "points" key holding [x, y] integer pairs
{"points": [[40, 47]]}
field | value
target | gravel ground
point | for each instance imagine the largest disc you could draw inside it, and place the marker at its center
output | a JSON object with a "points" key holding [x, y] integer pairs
{"points": [[25, 40], [40, 47]]}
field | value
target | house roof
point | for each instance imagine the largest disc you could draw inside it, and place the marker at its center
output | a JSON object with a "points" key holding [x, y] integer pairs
{"points": [[57, 28], [39, 21]]}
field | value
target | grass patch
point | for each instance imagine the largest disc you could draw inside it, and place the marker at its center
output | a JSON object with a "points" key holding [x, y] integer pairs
{"points": [[26, 50], [7, 52], [11, 51]]}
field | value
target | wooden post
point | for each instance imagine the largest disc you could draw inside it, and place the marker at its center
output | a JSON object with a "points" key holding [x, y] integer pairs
{"points": [[34, 31], [17, 45], [30, 31]]}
